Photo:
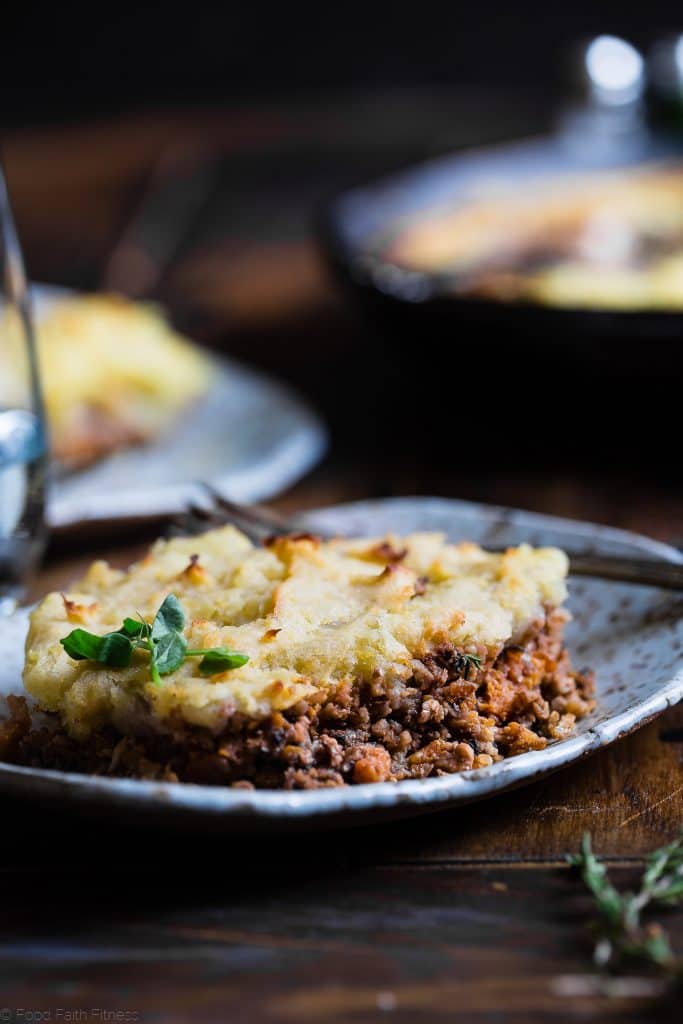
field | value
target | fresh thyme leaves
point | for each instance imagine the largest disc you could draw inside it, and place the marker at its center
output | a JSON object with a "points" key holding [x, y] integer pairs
{"points": [[465, 662], [163, 640], [663, 878], [621, 935]]}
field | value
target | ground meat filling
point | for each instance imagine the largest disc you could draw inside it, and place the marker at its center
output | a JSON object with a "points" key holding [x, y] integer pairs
{"points": [[452, 715]]}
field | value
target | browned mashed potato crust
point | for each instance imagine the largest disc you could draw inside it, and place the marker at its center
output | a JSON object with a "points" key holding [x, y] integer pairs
{"points": [[450, 716]]}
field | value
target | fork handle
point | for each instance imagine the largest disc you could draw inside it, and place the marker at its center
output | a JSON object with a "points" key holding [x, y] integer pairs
{"points": [[259, 521], [644, 571]]}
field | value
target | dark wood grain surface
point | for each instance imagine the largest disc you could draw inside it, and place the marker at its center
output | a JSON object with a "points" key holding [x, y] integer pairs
{"points": [[469, 915]]}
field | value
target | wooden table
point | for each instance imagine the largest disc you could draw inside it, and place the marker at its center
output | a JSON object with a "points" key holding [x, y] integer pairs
{"points": [[471, 915]]}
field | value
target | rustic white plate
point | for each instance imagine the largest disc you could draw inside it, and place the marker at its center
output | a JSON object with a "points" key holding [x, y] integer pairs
{"points": [[631, 636], [251, 436]]}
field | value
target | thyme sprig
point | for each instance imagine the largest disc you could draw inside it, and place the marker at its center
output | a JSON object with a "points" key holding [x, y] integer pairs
{"points": [[162, 639], [621, 934], [465, 662]]}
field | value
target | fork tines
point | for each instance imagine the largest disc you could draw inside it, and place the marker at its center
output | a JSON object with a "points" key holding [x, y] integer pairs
{"points": [[258, 523]]}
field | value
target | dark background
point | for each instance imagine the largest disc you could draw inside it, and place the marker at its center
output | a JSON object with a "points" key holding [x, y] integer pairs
{"points": [[70, 60], [294, 103]]}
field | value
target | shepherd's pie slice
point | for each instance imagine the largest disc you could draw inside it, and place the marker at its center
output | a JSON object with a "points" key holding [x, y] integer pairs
{"points": [[368, 660]]}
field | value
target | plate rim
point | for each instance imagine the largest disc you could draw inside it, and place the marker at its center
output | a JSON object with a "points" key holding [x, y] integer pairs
{"points": [[267, 805]]}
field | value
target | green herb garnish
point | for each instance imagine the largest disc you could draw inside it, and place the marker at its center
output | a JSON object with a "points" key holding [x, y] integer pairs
{"points": [[112, 649], [219, 659], [162, 639], [622, 936], [167, 645], [465, 662]]}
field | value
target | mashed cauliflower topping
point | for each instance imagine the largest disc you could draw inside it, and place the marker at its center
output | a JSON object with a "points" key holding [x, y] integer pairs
{"points": [[609, 240], [113, 371], [311, 615]]}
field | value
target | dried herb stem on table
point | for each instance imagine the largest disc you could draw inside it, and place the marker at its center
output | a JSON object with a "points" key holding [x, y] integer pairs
{"points": [[622, 936]]}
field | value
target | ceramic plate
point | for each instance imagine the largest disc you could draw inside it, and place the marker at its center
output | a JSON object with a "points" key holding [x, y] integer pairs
{"points": [[632, 637], [250, 436]]}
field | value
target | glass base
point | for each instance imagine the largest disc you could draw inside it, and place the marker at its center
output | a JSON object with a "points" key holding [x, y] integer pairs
{"points": [[8, 603]]}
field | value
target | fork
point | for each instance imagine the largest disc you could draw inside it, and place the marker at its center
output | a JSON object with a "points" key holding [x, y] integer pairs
{"points": [[259, 523]]}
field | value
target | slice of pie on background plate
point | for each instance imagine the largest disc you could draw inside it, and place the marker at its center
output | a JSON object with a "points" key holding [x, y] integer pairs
{"points": [[114, 374]]}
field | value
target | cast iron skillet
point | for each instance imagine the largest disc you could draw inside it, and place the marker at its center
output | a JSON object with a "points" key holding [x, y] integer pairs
{"points": [[353, 221]]}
